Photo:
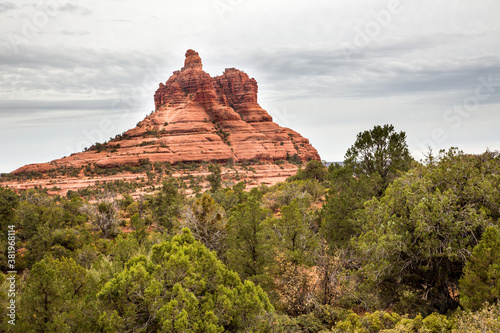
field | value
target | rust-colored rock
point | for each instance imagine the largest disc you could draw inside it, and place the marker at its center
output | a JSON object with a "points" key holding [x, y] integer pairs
{"points": [[197, 118]]}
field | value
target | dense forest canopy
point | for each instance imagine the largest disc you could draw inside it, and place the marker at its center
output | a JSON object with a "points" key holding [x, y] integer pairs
{"points": [[380, 243]]}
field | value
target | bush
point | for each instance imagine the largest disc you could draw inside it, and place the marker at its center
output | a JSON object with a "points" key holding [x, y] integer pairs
{"points": [[182, 287], [313, 170], [294, 159], [436, 323], [481, 280], [391, 322], [417, 237], [284, 193], [368, 323], [484, 320]]}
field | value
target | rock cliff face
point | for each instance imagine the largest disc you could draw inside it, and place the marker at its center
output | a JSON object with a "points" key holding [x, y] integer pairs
{"points": [[197, 118]]}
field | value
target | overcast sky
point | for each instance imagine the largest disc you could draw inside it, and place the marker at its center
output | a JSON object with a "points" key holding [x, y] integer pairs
{"points": [[73, 73]]}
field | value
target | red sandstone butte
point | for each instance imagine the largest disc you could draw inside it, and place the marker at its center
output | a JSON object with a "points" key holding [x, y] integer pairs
{"points": [[197, 118]]}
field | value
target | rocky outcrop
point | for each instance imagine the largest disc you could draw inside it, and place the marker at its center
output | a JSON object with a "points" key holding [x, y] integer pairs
{"points": [[197, 118]]}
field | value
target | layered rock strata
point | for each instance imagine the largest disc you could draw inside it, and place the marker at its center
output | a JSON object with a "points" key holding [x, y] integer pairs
{"points": [[197, 118]]}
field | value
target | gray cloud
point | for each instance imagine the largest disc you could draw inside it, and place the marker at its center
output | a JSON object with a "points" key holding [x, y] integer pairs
{"points": [[78, 71], [80, 67], [7, 6], [75, 9], [327, 74], [55, 6], [13, 107], [75, 33]]}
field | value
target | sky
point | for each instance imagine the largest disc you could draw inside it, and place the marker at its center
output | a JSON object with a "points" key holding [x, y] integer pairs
{"points": [[74, 73]]}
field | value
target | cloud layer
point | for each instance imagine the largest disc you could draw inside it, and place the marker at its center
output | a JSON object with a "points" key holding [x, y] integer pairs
{"points": [[327, 69]]}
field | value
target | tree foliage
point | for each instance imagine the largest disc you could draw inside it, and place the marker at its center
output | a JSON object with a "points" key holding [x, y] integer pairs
{"points": [[48, 225], [215, 177], [481, 280], [104, 215], [249, 246], [343, 202], [313, 170], [207, 221], [419, 235], [365, 247], [183, 287], [9, 201], [284, 193], [166, 204], [59, 296], [380, 150], [37, 209], [292, 231], [392, 322], [486, 319]]}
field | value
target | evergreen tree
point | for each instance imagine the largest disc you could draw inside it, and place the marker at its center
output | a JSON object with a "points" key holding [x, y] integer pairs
{"points": [[343, 203], [380, 150], [215, 177], [59, 296], [207, 221], [166, 204], [481, 280], [294, 236], [248, 241], [183, 287], [313, 170], [9, 201], [417, 238]]}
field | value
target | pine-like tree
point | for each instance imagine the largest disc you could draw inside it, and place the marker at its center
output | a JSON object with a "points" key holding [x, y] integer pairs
{"points": [[481, 280]]}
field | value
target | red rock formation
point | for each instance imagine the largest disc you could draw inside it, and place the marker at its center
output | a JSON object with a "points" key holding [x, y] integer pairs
{"points": [[198, 118]]}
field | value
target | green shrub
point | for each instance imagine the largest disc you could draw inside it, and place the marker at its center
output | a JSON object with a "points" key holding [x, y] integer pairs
{"points": [[436, 323], [481, 280], [485, 320], [182, 287], [368, 323], [391, 322]]}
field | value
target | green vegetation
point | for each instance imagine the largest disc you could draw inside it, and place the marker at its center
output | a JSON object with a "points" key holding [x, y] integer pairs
{"points": [[182, 287], [215, 177], [249, 248], [480, 282], [166, 205], [313, 170], [223, 135], [379, 151], [98, 147], [294, 159], [8, 203], [147, 143], [380, 244], [418, 236]]}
